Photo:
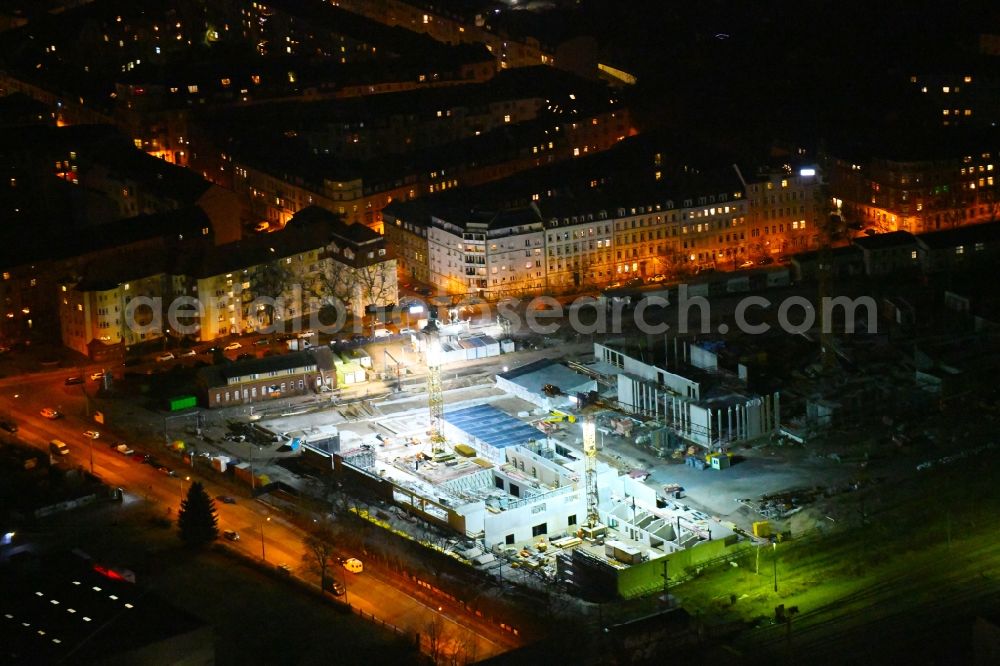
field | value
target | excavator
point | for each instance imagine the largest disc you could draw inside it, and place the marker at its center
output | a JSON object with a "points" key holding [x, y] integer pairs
{"points": [[556, 416]]}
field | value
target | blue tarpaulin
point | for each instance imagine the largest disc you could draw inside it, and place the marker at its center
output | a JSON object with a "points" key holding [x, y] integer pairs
{"points": [[492, 426]]}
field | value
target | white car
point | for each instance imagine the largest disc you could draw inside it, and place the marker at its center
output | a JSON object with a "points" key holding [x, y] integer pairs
{"points": [[407, 331], [381, 333], [165, 356], [233, 345], [187, 352], [50, 413], [97, 376], [91, 434]]}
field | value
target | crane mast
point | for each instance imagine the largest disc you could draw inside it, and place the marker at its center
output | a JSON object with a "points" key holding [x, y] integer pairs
{"points": [[590, 455], [435, 393]]}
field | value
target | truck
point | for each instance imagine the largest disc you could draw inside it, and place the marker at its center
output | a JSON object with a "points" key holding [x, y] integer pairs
{"points": [[58, 448]]}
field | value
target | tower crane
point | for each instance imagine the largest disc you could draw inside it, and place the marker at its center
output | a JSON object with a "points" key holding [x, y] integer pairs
{"points": [[435, 394], [590, 455]]}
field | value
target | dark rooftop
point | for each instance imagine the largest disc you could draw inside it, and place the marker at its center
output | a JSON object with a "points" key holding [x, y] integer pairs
{"points": [[988, 232], [66, 612], [885, 241]]}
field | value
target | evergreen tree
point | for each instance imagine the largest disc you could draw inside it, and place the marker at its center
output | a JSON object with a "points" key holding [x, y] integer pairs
{"points": [[197, 519]]}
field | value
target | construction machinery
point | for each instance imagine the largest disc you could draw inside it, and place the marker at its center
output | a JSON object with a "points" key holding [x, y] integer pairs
{"points": [[590, 454], [435, 393], [556, 416]]}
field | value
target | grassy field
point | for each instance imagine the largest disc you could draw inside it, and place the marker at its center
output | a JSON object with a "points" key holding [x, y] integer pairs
{"points": [[918, 560]]}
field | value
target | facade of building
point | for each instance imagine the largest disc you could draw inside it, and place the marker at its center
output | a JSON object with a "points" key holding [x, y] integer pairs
{"points": [[886, 254], [785, 208], [701, 403], [947, 189], [268, 378], [112, 313], [260, 283], [598, 241], [488, 253]]}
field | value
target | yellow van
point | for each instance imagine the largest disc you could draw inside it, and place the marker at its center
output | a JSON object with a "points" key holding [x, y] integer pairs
{"points": [[353, 565]]}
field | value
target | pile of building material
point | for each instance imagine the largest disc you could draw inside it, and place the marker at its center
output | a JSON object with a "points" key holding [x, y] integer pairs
{"points": [[783, 504]]}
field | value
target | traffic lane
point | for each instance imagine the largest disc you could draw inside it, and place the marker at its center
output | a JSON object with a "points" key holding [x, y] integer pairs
{"points": [[282, 542], [415, 615]]}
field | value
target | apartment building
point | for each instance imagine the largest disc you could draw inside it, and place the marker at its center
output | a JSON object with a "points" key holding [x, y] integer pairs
{"points": [[919, 181], [785, 205], [527, 119], [489, 253], [666, 226], [97, 317], [454, 25], [258, 283]]}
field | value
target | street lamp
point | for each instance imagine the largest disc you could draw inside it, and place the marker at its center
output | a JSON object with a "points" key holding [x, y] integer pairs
{"points": [[774, 562], [90, 442], [186, 478], [263, 555]]}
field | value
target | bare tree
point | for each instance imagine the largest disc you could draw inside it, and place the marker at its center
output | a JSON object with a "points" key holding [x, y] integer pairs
{"points": [[377, 282], [319, 550], [268, 281], [435, 639]]}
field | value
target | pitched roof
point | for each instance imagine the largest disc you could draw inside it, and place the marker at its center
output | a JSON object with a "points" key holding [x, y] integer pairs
{"points": [[267, 364], [988, 232], [886, 241]]}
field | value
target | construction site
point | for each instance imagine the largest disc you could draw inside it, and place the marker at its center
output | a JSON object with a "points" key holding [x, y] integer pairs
{"points": [[517, 477]]}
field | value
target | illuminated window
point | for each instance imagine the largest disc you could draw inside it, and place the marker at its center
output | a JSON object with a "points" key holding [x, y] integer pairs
{"points": [[193, 89]]}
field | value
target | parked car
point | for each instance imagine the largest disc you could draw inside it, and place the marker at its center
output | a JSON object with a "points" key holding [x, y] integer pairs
{"points": [[165, 356], [231, 535], [97, 376], [50, 413], [407, 331], [226, 499], [91, 434], [141, 457], [245, 356], [232, 346], [335, 587], [381, 333], [9, 426], [354, 565], [262, 341], [284, 569], [73, 380], [187, 352]]}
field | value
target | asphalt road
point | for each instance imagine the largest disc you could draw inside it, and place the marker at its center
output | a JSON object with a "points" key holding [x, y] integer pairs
{"points": [[264, 533]]}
